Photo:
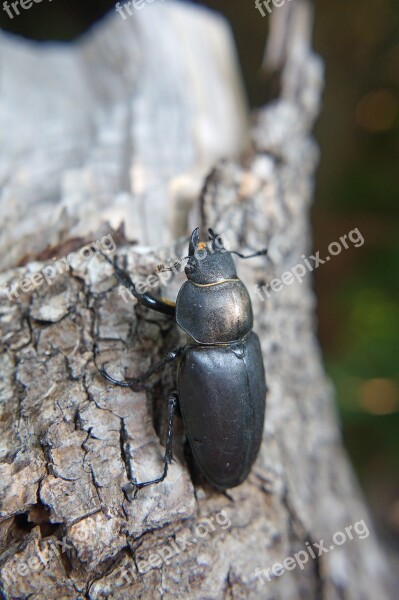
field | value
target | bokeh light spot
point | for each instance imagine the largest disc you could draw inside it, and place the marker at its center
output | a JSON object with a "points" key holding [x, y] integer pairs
{"points": [[377, 111], [379, 396]]}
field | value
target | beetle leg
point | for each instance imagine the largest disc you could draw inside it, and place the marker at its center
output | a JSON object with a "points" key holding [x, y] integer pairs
{"points": [[130, 381], [161, 305], [173, 402], [108, 377]]}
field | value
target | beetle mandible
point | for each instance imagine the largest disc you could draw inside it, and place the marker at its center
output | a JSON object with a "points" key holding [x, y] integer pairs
{"points": [[221, 386]]}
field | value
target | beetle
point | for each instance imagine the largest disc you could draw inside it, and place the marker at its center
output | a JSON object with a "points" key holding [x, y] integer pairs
{"points": [[221, 387]]}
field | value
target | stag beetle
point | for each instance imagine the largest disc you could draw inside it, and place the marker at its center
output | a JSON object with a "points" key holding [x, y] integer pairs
{"points": [[221, 386]]}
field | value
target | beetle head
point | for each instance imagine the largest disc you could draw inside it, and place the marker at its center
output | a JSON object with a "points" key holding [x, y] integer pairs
{"points": [[209, 262]]}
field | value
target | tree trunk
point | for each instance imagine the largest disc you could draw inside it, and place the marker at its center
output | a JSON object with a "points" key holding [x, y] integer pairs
{"points": [[122, 126]]}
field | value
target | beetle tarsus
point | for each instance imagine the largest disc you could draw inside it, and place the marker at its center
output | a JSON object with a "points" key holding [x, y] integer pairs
{"points": [[173, 402], [125, 383]]}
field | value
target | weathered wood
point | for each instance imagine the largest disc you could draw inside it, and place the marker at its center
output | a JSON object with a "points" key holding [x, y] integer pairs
{"points": [[121, 126], [69, 441]]}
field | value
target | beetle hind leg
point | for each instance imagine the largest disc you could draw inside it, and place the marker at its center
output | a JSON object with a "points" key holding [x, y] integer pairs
{"points": [[173, 403]]}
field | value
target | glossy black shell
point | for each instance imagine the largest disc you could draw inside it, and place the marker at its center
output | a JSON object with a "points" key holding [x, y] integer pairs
{"points": [[222, 393], [215, 313]]}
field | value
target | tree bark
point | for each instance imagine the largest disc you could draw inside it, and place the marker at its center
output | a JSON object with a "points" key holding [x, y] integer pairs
{"points": [[156, 102]]}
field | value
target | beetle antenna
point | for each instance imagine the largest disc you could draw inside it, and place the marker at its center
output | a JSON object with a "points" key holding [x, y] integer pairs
{"points": [[259, 253], [163, 269]]}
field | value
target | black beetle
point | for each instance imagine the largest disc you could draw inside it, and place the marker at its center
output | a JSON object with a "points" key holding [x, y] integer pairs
{"points": [[221, 386]]}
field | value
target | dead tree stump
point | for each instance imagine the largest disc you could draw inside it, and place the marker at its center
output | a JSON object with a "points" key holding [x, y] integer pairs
{"points": [[122, 126]]}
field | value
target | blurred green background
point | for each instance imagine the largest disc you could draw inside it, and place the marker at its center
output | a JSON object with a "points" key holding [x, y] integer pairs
{"points": [[357, 186]]}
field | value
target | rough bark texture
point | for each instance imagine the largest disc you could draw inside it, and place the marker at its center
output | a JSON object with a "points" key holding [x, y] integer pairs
{"points": [[143, 124]]}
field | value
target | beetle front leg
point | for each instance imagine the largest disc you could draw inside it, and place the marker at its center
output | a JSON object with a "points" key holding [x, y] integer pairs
{"points": [[161, 305], [173, 402], [131, 381]]}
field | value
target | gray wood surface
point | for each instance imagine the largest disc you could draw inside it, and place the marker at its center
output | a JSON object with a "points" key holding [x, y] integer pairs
{"points": [[122, 126]]}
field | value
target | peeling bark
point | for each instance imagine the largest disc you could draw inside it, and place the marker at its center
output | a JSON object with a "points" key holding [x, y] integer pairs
{"points": [[70, 442]]}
